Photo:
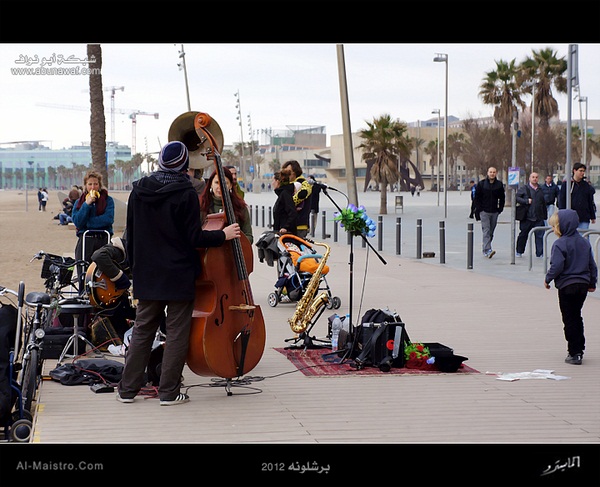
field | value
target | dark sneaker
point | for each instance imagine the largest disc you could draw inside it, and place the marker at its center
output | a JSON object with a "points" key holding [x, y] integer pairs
{"points": [[125, 400], [576, 359], [180, 399]]}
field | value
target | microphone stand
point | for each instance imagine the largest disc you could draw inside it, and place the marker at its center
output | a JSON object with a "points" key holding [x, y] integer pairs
{"points": [[352, 339]]}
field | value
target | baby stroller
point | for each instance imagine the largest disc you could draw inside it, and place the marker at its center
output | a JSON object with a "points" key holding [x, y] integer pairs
{"points": [[296, 263], [15, 419]]}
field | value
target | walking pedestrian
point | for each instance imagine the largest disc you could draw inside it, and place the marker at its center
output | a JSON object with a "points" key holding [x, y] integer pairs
{"points": [[574, 272], [531, 195], [551, 192], [582, 197], [489, 202]]}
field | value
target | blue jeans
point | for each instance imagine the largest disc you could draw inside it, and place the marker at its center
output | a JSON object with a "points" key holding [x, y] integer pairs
{"points": [[63, 218], [584, 225]]}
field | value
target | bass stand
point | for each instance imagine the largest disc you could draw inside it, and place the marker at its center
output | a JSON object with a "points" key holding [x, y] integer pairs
{"points": [[307, 340], [352, 338]]}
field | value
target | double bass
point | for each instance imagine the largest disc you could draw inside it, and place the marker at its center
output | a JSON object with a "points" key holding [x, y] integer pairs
{"points": [[227, 336]]}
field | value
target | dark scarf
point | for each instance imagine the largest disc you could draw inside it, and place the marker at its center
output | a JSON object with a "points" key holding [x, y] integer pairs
{"points": [[166, 177], [100, 202]]}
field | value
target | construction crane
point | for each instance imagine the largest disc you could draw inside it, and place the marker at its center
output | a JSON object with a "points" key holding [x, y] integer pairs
{"points": [[133, 113], [113, 90], [133, 116]]}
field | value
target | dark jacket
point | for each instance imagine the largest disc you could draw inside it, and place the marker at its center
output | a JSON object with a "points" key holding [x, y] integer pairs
{"points": [[284, 209], [490, 197], [551, 192], [571, 260], [582, 199], [111, 259], [163, 232], [537, 210]]}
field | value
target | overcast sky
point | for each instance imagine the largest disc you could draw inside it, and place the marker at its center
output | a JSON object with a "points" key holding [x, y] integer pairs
{"points": [[280, 85]]}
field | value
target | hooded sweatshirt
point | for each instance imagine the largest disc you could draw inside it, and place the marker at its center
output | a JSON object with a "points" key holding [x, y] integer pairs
{"points": [[571, 260], [163, 232]]}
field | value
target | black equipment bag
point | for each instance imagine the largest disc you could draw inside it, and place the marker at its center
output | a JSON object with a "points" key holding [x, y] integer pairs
{"points": [[381, 338]]}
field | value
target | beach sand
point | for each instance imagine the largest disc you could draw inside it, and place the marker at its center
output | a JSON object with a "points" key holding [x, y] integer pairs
{"points": [[24, 233]]}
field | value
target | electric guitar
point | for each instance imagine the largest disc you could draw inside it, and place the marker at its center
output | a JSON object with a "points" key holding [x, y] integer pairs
{"points": [[101, 290]]}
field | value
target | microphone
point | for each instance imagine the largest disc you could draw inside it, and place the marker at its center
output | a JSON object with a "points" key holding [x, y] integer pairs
{"points": [[322, 185]]}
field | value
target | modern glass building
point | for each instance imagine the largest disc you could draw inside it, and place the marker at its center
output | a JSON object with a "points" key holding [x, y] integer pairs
{"points": [[40, 166]]}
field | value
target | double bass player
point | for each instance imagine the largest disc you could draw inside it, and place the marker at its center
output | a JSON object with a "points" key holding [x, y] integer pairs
{"points": [[164, 229]]}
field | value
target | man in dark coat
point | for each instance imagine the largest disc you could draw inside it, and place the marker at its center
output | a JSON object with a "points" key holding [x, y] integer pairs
{"points": [[551, 192], [532, 195], [163, 233], [489, 203], [582, 197]]}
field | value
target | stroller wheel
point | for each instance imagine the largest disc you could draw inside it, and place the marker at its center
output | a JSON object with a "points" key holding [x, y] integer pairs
{"points": [[329, 304], [26, 415], [21, 430], [337, 302], [272, 300]]}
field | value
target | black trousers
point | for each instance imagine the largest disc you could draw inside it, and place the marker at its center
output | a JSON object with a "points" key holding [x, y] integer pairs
{"points": [[525, 227], [570, 302]]}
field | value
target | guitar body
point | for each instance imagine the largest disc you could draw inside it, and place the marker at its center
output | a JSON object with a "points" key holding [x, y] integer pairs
{"points": [[101, 290]]}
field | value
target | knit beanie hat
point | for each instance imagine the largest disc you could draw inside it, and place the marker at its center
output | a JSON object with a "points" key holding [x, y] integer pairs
{"points": [[174, 157]]}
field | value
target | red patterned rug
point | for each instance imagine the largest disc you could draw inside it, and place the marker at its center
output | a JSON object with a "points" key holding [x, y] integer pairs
{"points": [[321, 362]]}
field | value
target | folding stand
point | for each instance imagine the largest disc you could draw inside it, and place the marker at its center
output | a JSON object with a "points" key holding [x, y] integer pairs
{"points": [[77, 310], [306, 339], [352, 336]]}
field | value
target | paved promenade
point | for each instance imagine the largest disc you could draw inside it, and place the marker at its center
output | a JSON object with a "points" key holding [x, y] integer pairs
{"points": [[498, 315]]}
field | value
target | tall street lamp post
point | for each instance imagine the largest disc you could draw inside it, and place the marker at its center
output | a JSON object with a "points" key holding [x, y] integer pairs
{"points": [[251, 135], [238, 105], [584, 99], [183, 66], [443, 58], [437, 110]]}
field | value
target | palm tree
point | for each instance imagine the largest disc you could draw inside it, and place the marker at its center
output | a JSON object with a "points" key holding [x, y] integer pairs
{"points": [[385, 143], [545, 70], [97, 120], [502, 89]]}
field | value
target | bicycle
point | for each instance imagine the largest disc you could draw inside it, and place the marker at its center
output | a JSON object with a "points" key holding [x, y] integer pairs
{"points": [[57, 271]]}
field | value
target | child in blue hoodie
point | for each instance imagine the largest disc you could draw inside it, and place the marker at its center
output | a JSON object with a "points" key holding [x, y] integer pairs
{"points": [[574, 271]]}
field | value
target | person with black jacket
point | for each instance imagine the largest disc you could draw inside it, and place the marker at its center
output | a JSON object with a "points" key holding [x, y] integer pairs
{"points": [[551, 192], [285, 215], [302, 196], [582, 197], [532, 195], [111, 260], [164, 231], [489, 203]]}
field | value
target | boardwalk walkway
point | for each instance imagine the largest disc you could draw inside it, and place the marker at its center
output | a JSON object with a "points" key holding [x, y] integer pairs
{"points": [[497, 314]]}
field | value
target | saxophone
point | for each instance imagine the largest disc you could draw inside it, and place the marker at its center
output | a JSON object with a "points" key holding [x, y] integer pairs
{"points": [[308, 305]]}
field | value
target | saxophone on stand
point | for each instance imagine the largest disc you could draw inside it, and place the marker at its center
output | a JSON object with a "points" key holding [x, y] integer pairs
{"points": [[310, 304]]}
